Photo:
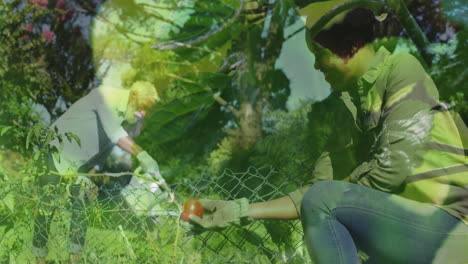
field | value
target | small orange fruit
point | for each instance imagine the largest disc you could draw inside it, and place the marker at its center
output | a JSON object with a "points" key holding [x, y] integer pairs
{"points": [[192, 207]]}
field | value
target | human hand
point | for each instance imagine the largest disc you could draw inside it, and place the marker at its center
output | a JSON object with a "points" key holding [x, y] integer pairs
{"points": [[163, 184], [86, 188], [222, 214], [139, 115]]}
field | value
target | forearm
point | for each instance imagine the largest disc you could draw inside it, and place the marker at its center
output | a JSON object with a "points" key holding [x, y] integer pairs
{"points": [[127, 144], [284, 208], [137, 130], [139, 116], [278, 209]]}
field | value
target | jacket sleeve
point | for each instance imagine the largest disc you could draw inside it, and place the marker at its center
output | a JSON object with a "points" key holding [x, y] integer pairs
{"points": [[323, 170], [321, 126], [405, 126], [398, 149], [324, 137]]}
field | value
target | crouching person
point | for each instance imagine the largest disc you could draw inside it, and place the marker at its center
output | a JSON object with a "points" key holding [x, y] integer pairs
{"points": [[392, 177], [97, 120]]}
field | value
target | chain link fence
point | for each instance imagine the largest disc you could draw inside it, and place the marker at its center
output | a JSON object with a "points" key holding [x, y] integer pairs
{"points": [[117, 234]]}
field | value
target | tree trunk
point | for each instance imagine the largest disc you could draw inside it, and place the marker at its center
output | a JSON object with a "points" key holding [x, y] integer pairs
{"points": [[249, 131]]}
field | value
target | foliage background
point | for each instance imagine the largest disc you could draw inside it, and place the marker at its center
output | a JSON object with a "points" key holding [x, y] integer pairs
{"points": [[224, 92]]}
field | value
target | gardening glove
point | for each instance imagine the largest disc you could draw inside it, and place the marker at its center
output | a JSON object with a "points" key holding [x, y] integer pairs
{"points": [[87, 189], [148, 163], [222, 214], [152, 169]]}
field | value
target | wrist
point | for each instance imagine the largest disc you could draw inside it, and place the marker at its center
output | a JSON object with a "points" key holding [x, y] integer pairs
{"points": [[136, 149], [253, 211], [244, 209]]}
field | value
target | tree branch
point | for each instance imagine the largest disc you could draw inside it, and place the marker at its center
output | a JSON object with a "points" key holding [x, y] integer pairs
{"points": [[124, 32], [224, 103], [158, 16], [109, 174], [216, 97], [161, 183], [231, 62], [174, 45], [412, 28], [294, 33], [165, 7]]}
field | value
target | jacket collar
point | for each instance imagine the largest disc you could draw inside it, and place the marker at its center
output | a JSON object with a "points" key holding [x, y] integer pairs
{"points": [[369, 96], [373, 72]]}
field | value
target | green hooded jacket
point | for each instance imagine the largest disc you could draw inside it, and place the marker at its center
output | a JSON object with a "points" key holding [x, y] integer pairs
{"points": [[417, 148]]}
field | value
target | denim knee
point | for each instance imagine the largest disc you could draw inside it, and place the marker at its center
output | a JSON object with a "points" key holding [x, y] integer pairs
{"points": [[322, 197]]}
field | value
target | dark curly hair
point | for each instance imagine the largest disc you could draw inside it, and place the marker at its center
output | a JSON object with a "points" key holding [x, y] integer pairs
{"points": [[358, 28]]}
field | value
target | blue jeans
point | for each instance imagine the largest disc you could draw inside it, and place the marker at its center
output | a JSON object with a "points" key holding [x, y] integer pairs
{"points": [[339, 218]]}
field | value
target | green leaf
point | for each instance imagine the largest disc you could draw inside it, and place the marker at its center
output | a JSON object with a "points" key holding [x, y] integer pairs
{"points": [[9, 201], [28, 138], [36, 155], [67, 134], [49, 136], [4, 130], [56, 155], [61, 147], [208, 18], [191, 104], [37, 130], [175, 118], [76, 138]]}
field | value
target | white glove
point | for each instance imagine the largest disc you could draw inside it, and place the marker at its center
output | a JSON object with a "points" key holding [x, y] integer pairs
{"points": [[143, 196], [87, 188]]}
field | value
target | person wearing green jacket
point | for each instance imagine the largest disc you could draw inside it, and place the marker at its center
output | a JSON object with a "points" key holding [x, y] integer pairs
{"points": [[392, 174]]}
